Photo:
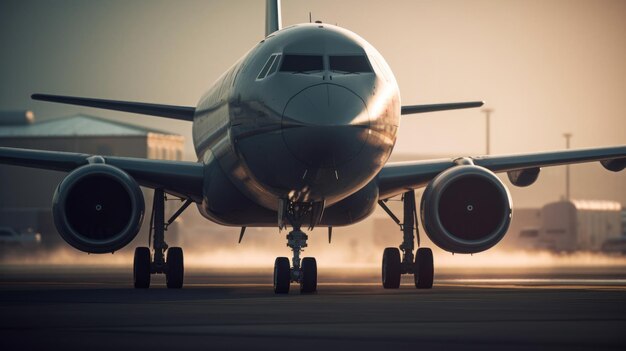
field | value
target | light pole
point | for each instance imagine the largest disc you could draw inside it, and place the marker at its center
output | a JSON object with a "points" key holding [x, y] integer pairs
{"points": [[487, 112], [567, 137]]}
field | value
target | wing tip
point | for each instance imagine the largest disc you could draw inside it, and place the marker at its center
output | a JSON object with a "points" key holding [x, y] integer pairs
{"points": [[44, 97]]}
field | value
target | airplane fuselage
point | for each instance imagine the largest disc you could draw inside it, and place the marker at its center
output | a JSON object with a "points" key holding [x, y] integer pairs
{"points": [[309, 115]]}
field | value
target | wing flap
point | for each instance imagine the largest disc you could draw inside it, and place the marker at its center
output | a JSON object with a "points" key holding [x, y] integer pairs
{"points": [[614, 165]]}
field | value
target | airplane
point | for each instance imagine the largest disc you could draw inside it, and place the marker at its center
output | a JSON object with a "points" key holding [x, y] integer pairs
{"points": [[297, 133]]}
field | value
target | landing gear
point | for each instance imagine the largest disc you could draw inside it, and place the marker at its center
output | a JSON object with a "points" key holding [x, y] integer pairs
{"points": [[308, 281], [423, 271], [303, 271], [141, 268], [421, 264], [391, 268], [146, 263], [282, 275], [175, 268]]}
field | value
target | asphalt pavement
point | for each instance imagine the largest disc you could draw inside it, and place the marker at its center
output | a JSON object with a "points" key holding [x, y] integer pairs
{"points": [[95, 308]]}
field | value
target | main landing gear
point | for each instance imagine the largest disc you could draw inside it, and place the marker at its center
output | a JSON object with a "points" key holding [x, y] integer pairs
{"points": [[421, 264], [303, 271], [163, 260]]}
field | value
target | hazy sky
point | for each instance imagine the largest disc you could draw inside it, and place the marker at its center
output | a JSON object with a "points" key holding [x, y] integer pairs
{"points": [[546, 67]]}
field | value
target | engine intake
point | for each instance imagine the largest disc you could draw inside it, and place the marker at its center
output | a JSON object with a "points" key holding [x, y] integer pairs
{"points": [[466, 209], [98, 208]]}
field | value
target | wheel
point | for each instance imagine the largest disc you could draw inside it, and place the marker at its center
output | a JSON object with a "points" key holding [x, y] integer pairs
{"points": [[308, 282], [141, 268], [175, 268], [282, 275], [391, 268], [424, 268]]}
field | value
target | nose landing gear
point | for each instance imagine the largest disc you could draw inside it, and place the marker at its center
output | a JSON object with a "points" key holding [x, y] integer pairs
{"points": [[421, 264], [303, 271]]}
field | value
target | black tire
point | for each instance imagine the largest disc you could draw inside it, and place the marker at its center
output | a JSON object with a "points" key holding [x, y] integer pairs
{"points": [[282, 275], [175, 268], [391, 268], [424, 270], [308, 283], [141, 268]]}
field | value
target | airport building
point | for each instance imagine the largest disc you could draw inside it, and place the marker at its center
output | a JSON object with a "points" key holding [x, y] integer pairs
{"points": [[567, 226], [26, 193]]}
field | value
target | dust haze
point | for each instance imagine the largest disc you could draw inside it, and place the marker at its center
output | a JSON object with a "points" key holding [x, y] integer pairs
{"points": [[333, 258]]}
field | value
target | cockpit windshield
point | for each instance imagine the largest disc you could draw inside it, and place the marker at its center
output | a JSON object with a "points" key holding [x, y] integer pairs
{"points": [[349, 64], [306, 64], [302, 63]]}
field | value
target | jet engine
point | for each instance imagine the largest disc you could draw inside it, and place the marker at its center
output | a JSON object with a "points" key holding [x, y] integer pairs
{"points": [[466, 209], [98, 208]]}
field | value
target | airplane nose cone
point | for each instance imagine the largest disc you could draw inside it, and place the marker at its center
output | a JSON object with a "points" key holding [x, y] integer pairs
{"points": [[325, 125]]}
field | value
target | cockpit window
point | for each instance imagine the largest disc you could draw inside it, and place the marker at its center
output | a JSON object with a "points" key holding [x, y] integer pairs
{"points": [[350, 64], [274, 65], [302, 63], [270, 66]]}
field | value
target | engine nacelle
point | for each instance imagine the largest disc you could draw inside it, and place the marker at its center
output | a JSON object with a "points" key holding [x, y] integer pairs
{"points": [[466, 209], [98, 208]]}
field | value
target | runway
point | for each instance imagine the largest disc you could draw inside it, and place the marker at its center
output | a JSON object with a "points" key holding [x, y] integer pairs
{"points": [[94, 308]]}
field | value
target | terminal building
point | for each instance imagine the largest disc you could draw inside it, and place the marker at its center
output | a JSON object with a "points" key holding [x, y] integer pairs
{"points": [[26, 193]]}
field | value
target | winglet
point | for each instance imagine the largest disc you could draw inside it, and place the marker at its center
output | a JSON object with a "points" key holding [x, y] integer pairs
{"points": [[407, 110]]}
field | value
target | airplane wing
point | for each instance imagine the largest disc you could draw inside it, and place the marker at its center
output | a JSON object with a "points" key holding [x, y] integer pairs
{"points": [[410, 109], [176, 177], [398, 177]]}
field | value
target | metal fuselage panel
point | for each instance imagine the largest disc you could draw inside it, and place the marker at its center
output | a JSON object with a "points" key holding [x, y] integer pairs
{"points": [[300, 136]]}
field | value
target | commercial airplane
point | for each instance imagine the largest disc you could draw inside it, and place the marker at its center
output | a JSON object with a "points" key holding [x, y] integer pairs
{"points": [[296, 133]]}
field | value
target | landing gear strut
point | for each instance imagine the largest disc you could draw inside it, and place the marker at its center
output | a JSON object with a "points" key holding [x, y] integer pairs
{"points": [[163, 259], [303, 271], [421, 264]]}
